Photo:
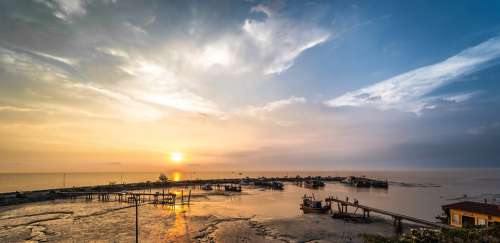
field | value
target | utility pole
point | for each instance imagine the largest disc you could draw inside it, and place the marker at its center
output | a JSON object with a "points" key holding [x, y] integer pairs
{"points": [[136, 220]]}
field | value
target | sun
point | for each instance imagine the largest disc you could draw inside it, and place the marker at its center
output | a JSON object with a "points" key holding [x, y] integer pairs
{"points": [[176, 157]]}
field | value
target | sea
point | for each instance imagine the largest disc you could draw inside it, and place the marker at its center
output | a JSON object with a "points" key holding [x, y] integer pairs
{"points": [[415, 193]]}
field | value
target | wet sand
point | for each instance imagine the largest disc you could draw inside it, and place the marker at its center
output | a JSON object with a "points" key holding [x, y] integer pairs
{"points": [[257, 215]]}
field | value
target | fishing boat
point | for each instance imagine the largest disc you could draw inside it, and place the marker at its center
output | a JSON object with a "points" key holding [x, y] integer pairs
{"points": [[232, 188], [207, 187], [362, 183], [314, 183], [246, 182], [278, 185], [311, 205]]}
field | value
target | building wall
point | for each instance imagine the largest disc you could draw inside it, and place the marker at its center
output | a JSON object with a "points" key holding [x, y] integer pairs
{"points": [[456, 217]]}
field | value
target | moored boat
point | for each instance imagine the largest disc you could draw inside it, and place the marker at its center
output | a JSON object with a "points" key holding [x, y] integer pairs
{"points": [[232, 188], [310, 205], [314, 183], [207, 187]]}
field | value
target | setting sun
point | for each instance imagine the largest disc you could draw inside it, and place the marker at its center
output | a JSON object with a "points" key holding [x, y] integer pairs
{"points": [[176, 157]]}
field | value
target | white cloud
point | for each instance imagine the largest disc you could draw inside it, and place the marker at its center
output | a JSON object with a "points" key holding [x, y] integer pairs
{"points": [[263, 112], [154, 83], [35, 64], [66, 9], [269, 45], [113, 52], [260, 8], [280, 41], [161, 77], [407, 91], [457, 98], [274, 105], [146, 96], [17, 109]]}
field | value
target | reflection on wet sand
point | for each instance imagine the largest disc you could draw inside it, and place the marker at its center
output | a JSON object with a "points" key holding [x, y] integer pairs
{"points": [[180, 228]]}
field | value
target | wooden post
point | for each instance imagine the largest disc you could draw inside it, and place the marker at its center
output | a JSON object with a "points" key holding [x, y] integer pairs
{"points": [[189, 197], [136, 220], [398, 224]]}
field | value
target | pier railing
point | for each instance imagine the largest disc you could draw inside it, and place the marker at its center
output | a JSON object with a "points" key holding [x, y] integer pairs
{"points": [[343, 206]]}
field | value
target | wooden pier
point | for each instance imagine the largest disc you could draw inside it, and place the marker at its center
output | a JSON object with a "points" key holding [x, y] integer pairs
{"points": [[398, 218], [167, 198]]}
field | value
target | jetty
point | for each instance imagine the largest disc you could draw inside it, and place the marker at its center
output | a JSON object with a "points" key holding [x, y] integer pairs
{"points": [[343, 205], [167, 198]]}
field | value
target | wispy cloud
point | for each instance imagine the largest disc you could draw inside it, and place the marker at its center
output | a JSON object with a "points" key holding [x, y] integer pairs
{"points": [[113, 52], [407, 91], [484, 129], [17, 109], [274, 105], [263, 112], [148, 95], [66, 9]]}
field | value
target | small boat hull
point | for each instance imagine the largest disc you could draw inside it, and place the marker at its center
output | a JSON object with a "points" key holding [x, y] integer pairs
{"points": [[321, 210]]}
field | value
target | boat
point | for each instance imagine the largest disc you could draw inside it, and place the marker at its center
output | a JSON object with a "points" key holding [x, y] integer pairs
{"points": [[348, 180], [278, 185], [314, 183], [310, 205], [363, 182], [381, 184], [246, 182], [207, 187], [232, 188]]}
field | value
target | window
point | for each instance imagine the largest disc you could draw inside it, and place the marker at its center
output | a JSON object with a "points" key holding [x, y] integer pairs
{"points": [[481, 221], [455, 219]]}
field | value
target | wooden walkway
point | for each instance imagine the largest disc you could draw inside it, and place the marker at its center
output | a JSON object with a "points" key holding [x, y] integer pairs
{"points": [[130, 197], [343, 205]]}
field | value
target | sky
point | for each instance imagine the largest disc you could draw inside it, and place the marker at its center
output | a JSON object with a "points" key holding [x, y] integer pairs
{"points": [[118, 85]]}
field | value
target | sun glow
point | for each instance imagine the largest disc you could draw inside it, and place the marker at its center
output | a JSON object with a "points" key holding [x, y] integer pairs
{"points": [[176, 157]]}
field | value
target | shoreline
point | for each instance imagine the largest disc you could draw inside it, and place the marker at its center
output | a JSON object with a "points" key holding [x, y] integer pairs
{"points": [[20, 197]]}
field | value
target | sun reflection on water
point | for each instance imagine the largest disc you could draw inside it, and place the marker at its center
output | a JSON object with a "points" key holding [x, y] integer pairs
{"points": [[177, 176]]}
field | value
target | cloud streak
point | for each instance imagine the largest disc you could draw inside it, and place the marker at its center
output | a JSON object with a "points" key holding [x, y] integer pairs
{"points": [[263, 112], [66, 9], [407, 91]]}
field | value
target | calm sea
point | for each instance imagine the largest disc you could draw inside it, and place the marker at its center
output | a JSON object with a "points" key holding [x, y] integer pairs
{"points": [[417, 193]]}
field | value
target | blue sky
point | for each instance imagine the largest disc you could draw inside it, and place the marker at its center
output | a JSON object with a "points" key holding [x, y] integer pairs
{"points": [[250, 85]]}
